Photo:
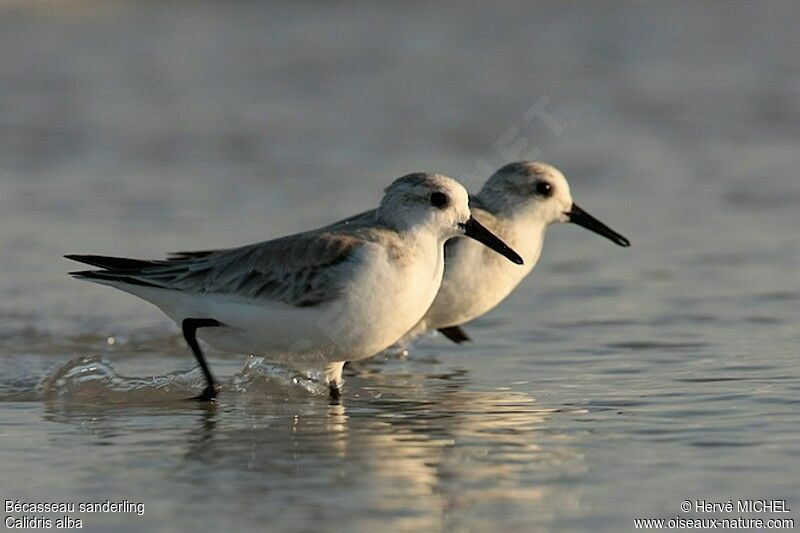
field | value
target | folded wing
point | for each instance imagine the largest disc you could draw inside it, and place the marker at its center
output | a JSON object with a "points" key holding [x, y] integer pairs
{"points": [[301, 270]]}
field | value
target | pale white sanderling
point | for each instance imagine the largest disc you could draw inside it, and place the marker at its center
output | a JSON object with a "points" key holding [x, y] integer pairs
{"points": [[517, 203], [320, 297]]}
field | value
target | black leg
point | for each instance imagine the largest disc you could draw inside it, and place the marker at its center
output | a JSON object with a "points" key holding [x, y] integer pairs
{"points": [[335, 393], [190, 327], [455, 334]]}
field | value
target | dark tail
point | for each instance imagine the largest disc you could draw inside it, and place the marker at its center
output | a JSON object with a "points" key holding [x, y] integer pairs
{"points": [[112, 263], [105, 275], [114, 269]]}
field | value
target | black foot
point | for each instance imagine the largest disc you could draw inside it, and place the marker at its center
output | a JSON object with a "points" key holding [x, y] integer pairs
{"points": [[334, 392], [455, 334], [209, 394]]}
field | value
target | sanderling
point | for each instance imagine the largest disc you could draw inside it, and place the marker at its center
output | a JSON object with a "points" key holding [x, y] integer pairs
{"points": [[518, 203], [320, 297]]}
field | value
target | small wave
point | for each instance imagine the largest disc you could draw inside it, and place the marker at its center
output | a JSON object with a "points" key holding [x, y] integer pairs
{"points": [[655, 345], [264, 379], [92, 379]]}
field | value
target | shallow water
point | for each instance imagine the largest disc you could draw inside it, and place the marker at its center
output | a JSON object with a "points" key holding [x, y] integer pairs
{"points": [[612, 385]]}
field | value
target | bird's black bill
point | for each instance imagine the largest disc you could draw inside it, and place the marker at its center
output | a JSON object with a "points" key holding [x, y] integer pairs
{"points": [[582, 218], [475, 230]]}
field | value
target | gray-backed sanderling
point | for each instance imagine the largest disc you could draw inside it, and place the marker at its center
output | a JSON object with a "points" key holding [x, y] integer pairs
{"points": [[517, 203], [321, 297]]}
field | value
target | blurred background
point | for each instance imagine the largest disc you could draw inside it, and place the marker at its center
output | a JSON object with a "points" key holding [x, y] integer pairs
{"points": [[141, 127], [658, 372]]}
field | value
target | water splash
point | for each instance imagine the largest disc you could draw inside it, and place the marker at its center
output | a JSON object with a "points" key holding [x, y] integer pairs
{"points": [[265, 379], [92, 379]]}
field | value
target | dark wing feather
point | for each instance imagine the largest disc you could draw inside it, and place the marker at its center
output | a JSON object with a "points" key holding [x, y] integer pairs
{"points": [[300, 270], [113, 263]]}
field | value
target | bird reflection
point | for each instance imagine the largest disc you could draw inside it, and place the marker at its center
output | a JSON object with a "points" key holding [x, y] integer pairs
{"points": [[427, 448], [429, 442]]}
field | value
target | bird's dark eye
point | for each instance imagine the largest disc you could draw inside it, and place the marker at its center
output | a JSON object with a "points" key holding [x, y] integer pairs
{"points": [[439, 199], [544, 189]]}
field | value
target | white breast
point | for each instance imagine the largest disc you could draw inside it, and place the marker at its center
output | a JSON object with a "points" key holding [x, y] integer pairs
{"points": [[477, 279]]}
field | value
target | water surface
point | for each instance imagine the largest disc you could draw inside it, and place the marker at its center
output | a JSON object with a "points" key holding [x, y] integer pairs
{"points": [[614, 384]]}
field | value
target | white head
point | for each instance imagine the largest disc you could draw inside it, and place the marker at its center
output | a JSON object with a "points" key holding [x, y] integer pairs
{"points": [[439, 204], [540, 192], [528, 186], [425, 199]]}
